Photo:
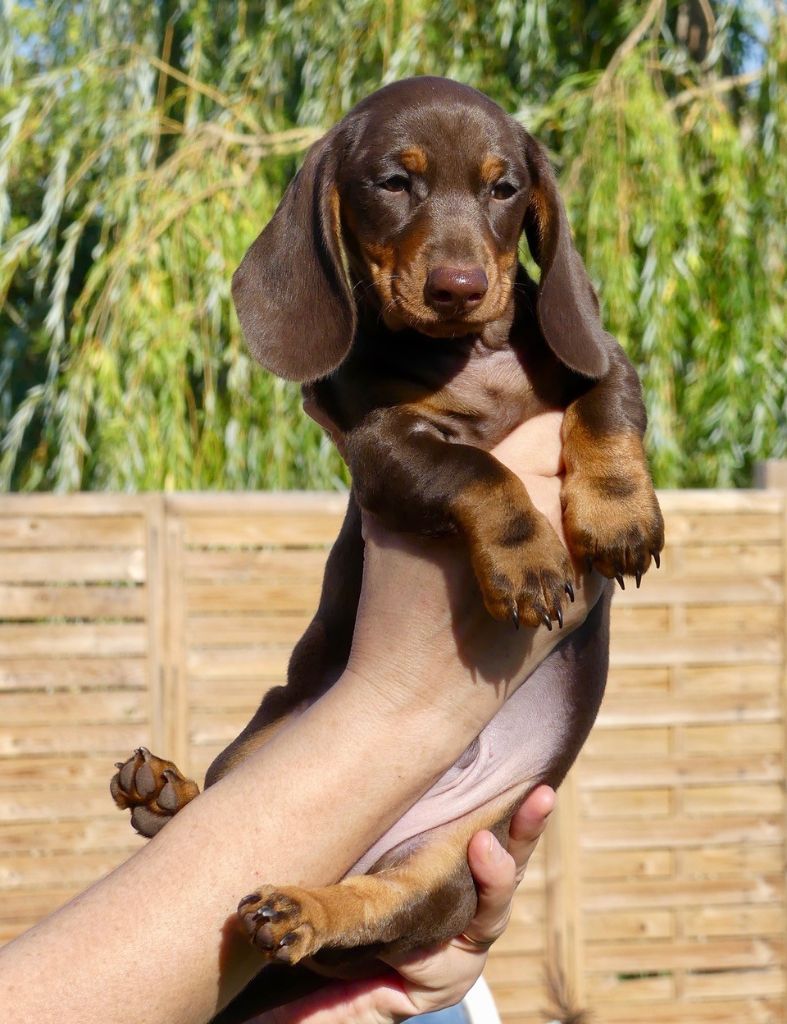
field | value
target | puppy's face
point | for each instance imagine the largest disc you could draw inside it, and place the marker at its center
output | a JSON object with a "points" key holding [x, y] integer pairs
{"points": [[425, 188], [433, 187]]}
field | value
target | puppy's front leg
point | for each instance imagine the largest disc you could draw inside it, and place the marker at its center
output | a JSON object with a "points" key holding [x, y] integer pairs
{"points": [[610, 511], [409, 475]]}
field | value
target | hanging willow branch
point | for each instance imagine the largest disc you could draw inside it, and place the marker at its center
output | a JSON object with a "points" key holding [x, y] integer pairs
{"points": [[139, 159]]}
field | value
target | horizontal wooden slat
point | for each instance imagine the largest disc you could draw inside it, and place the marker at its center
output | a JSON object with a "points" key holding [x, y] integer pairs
{"points": [[287, 529], [702, 955], [720, 984], [74, 639], [126, 565], [75, 531], [58, 673], [268, 664], [697, 649], [25, 872], [729, 561], [61, 708], [605, 773], [70, 602], [749, 1009], [674, 709], [248, 564], [676, 892], [713, 681], [114, 739], [680, 589], [637, 834], [723, 527], [226, 599], [629, 924], [237, 630], [71, 835], [738, 919], [57, 802], [36, 774], [738, 738]]}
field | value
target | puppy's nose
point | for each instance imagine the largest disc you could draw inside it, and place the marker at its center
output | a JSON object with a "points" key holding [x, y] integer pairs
{"points": [[455, 289]]}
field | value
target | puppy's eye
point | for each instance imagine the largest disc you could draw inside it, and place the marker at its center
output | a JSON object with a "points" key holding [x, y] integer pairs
{"points": [[396, 183], [503, 190]]}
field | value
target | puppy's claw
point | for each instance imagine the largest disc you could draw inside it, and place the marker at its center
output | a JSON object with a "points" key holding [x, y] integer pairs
{"points": [[251, 898], [515, 617], [621, 581], [638, 577], [560, 617], [547, 621], [570, 592], [657, 559]]}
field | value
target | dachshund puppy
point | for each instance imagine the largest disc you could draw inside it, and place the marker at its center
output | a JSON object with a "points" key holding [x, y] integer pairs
{"points": [[388, 283]]}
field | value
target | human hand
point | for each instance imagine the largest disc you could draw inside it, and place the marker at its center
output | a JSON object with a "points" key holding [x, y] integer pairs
{"points": [[433, 979]]}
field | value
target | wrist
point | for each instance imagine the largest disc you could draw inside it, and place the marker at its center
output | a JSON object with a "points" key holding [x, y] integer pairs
{"points": [[426, 722]]}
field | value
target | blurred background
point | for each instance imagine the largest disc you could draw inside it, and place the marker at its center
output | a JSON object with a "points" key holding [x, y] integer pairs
{"points": [[144, 145]]}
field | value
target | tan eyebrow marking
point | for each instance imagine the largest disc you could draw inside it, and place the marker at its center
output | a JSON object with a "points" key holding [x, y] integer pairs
{"points": [[414, 160], [492, 167]]}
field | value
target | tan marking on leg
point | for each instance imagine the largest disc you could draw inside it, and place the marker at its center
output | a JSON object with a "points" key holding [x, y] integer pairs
{"points": [[522, 568], [610, 511], [290, 923]]}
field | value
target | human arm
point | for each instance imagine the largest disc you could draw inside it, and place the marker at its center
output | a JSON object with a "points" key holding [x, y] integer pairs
{"points": [[155, 940]]}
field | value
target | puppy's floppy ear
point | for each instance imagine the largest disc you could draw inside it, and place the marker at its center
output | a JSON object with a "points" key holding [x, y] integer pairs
{"points": [[568, 310], [291, 291]]}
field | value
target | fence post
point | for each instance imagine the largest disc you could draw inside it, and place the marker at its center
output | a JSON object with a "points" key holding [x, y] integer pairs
{"points": [[772, 474], [156, 577], [564, 939]]}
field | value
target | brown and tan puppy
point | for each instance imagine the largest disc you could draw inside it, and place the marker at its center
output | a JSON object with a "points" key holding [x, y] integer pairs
{"points": [[388, 283]]}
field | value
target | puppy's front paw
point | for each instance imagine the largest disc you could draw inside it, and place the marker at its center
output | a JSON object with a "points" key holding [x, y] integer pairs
{"points": [[284, 923], [153, 788], [613, 523], [524, 572]]}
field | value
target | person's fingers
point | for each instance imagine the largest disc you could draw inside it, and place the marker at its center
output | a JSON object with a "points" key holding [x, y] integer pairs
{"points": [[497, 872], [494, 872], [527, 825]]}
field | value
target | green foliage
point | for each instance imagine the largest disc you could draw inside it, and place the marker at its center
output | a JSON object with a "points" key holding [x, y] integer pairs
{"points": [[143, 145]]}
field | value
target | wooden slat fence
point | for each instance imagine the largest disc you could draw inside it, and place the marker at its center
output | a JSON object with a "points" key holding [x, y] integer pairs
{"points": [[161, 619]]}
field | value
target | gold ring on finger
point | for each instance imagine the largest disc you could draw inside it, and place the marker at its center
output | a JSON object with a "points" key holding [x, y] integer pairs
{"points": [[476, 943]]}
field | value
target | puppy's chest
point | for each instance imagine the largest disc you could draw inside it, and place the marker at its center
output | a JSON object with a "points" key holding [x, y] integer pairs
{"points": [[487, 398], [473, 394]]}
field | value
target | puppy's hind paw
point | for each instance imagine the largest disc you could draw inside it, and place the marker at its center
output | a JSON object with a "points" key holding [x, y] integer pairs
{"points": [[152, 788]]}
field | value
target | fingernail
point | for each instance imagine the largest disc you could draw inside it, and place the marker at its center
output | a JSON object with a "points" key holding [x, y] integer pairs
{"points": [[495, 851]]}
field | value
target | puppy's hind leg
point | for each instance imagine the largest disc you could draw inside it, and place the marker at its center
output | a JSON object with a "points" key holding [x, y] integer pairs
{"points": [[412, 899]]}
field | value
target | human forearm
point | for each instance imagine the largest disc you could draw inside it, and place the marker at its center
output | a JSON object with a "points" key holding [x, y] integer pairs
{"points": [[259, 824], [154, 941]]}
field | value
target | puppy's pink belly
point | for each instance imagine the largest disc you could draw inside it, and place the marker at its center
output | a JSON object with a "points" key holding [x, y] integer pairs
{"points": [[512, 754]]}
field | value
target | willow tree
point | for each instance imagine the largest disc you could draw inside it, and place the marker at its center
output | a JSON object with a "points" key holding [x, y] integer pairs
{"points": [[144, 145]]}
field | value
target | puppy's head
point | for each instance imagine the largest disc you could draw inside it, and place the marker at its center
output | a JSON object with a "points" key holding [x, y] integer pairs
{"points": [[415, 203]]}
